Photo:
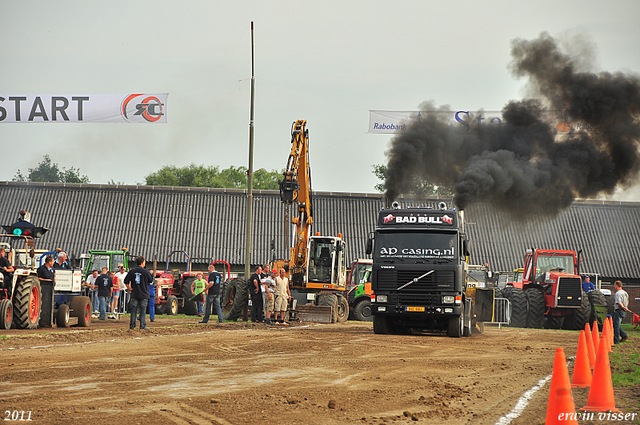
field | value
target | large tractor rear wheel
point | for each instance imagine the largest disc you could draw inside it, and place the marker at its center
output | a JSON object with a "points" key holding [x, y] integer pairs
{"points": [[343, 309], [6, 314], [237, 296], [27, 303], [190, 307], [519, 306], [81, 308], [537, 308], [553, 322], [330, 300]]}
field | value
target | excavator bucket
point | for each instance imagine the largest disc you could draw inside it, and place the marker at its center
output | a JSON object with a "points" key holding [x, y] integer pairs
{"points": [[315, 313]]}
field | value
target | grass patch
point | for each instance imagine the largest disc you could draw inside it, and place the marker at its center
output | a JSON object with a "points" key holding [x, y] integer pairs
{"points": [[625, 360]]}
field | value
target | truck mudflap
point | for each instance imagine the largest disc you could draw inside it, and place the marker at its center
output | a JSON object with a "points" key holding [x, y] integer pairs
{"points": [[483, 310]]}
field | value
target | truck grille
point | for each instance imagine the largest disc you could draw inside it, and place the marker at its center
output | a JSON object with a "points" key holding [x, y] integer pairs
{"points": [[569, 292], [439, 280], [414, 299]]}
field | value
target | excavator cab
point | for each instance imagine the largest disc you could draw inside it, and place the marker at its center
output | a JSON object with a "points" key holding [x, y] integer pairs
{"points": [[326, 262]]}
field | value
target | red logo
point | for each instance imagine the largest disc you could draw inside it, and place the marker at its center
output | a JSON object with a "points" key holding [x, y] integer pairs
{"points": [[139, 107], [447, 219], [388, 218]]}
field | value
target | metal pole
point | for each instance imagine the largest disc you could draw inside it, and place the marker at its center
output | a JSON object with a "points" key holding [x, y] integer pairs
{"points": [[247, 258]]}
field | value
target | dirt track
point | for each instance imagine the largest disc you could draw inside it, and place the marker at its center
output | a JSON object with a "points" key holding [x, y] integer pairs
{"points": [[238, 373]]}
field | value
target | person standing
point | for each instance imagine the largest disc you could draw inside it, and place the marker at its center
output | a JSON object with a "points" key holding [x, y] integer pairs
{"points": [[105, 285], [115, 294], [45, 271], [61, 262], [213, 295], [197, 288], [256, 295], [620, 310], [93, 290], [269, 285], [7, 271], [283, 295], [137, 282], [124, 296]]}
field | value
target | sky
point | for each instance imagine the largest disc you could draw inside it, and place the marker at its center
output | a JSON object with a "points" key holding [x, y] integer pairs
{"points": [[326, 62]]}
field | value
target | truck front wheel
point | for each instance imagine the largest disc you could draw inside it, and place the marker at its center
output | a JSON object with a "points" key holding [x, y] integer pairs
{"points": [[381, 325]]}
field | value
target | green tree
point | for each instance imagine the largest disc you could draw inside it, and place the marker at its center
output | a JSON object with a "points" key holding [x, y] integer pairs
{"points": [[200, 176], [48, 171], [419, 187]]}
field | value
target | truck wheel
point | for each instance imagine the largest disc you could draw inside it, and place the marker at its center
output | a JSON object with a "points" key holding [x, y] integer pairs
{"points": [[27, 303], [190, 307], [6, 314], [343, 309], [455, 329], [362, 310], [596, 298], [62, 318], [518, 306], [537, 307], [237, 296], [330, 300], [171, 308], [81, 308], [381, 325]]}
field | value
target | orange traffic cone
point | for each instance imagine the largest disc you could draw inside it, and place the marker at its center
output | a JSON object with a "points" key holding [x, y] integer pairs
{"points": [[581, 369], [604, 338], [601, 392], [590, 349], [596, 338], [561, 403], [611, 335]]}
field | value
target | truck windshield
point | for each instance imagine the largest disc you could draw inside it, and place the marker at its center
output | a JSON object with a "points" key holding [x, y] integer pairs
{"points": [[553, 262], [416, 245]]}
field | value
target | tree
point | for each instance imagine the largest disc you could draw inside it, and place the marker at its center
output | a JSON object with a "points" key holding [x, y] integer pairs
{"points": [[200, 176], [48, 171], [419, 187]]}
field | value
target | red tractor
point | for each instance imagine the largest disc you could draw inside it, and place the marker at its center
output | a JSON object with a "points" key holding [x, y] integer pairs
{"points": [[173, 289], [550, 292]]}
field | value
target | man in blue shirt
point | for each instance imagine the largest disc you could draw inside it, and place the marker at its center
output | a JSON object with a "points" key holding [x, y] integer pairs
{"points": [[587, 286]]}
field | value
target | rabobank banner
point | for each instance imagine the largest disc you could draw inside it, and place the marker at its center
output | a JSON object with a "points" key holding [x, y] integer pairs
{"points": [[392, 122], [141, 108]]}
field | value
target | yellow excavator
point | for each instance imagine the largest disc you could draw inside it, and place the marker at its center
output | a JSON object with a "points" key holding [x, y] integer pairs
{"points": [[316, 267]]}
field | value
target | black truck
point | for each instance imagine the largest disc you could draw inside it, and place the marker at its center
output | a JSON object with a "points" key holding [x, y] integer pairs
{"points": [[419, 277]]}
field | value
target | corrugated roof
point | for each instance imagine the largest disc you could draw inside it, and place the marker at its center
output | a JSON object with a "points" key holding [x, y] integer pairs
{"points": [[210, 223]]}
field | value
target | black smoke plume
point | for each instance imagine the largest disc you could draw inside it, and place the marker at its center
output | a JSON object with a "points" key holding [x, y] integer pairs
{"points": [[525, 165]]}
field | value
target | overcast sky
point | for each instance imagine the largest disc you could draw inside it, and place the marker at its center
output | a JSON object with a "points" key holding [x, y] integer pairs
{"points": [[327, 62]]}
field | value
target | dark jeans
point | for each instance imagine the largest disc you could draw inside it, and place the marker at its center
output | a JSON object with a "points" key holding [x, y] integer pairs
{"points": [[618, 333], [135, 306], [257, 309], [215, 301]]}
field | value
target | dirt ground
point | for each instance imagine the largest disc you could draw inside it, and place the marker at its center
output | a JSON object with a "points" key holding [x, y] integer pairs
{"points": [[180, 372]]}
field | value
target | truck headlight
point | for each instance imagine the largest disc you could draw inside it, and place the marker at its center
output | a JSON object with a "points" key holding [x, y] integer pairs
{"points": [[381, 298], [448, 299]]}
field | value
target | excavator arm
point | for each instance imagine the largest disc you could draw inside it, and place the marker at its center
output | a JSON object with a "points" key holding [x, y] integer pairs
{"points": [[295, 188]]}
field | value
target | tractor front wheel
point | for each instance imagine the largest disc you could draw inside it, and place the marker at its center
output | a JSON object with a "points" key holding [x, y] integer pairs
{"points": [[6, 314]]}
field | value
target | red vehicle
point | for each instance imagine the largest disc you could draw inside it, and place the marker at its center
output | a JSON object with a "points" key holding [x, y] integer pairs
{"points": [[550, 292], [173, 289]]}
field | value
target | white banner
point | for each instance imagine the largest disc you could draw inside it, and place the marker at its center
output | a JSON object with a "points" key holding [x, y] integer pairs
{"points": [[93, 108], [392, 122]]}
